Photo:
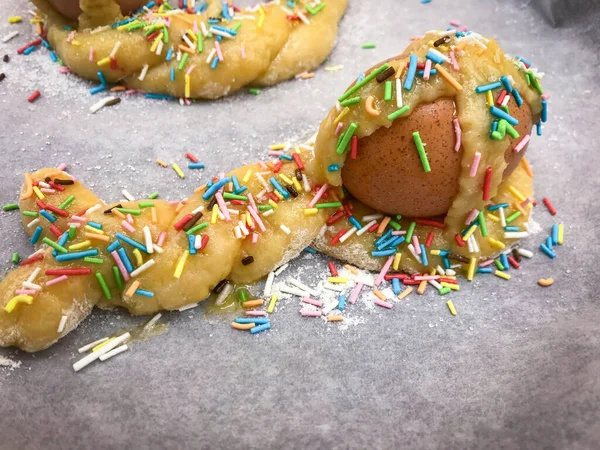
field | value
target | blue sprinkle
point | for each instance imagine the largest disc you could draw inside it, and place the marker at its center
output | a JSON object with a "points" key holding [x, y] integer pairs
{"points": [[49, 217], [286, 157], [259, 328], [377, 253], [96, 225], [341, 302], [256, 320], [549, 242], [131, 242], [310, 250], [195, 165], [544, 110], [485, 270], [213, 21], [446, 262], [61, 241], [506, 82], [28, 50], [226, 15], [396, 286], [360, 77], [122, 22], [159, 96], [547, 251], [219, 38], [102, 79], [279, 188], [36, 234], [386, 235], [493, 128], [236, 183], [53, 57], [144, 293], [95, 90], [46, 44], [67, 27], [488, 87], [172, 73], [555, 234], [434, 57], [150, 4], [76, 255], [355, 223], [113, 246], [333, 168], [191, 242], [517, 97], [538, 127], [241, 190], [432, 72], [201, 8], [225, 30], [423, 2], [214, 63], [511, 228], [410, 75], [498, 206], [210, 183], [523, 60], [502, 115], [169, 54], [215, 187], [504, 261], [424, 255], [126, 261]]}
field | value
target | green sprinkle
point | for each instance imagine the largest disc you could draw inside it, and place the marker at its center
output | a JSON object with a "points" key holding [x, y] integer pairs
{"points": [[314, 10], [254, 91], [387, 96], [145, 204], [511, 131], [67, 202], [15, 258], [346, 139], [198, 227], [264, 207], [350, 101], [118, 278], [199, 42], [395, 225], [236, 26], [153, 195], [72, 231], [91, 259], [29, 213], [499, 264], [513, 216], [103, 285], [421, 150], [150, 30], [482, 224], [328, 205], [410, 231], [136, 26], [54, 245], [230, 196], [368, 45], [362, 82], [242, 295], [444, 290], [400, 112], [183, 61], [398, 217], [166, 35], [135, 212], [10, 207]]}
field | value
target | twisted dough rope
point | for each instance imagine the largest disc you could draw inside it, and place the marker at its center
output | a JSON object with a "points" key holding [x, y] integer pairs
{"points": [[267, 48]]}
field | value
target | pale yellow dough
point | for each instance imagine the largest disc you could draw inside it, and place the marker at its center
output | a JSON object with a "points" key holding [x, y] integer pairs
{"points": [[269, 48]]}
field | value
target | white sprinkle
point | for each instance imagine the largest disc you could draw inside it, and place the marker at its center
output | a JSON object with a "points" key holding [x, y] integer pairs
{"points": [[188, 42], [411, 249], [44, 185], [335, 287], [237, 232], [289, 12], [399, 92], [450, 272], [114, 352], [303, 17], [525, 253], [305, 183], [159, 48], [186, 307], [101, 351], [329, 306], [220, 33], [303, 287], [198, 209], [152, 321], [143, 72], [268, 212], [223, 294], [157, 249], [285, 229], [10, 36], [34, 275], [127, 195], [243, 228], [115, 49], [211, 55], [262, 181], [62, 323], [142, 268], [203, 28], [91, 345], [440, 270], [93, 209], [33, 223], [281, 269], [502, 217], [101, 104], [148, 239], [365, 228], [269, 284], [515, 234], [435, 284], [506, 100], [33, 286], [347, 234], [293, 291], [440, 54], [37, 252]]}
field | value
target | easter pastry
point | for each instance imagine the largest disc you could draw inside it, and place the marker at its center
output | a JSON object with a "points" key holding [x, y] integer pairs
{"points": [[205, 52], [418, 168]]}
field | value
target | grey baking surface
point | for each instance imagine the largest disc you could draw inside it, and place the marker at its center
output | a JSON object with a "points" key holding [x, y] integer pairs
{"points": [[517, 368]]}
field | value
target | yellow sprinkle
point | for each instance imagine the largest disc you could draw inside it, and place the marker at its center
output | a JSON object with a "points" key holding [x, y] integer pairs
{"points": [[12, 304], [15, 19], [490, 98], [273, 204], [341, 115], [178, 170], [247, 176], [138, 257], [454, 287], [249, 220], [434, 252], [470, 231], [191, 35], [94, 230], [161, 163], [495, 243], [97, 237], [215, 214], [561, 233], [278, 195], [515, 192], [187, 87], [449, 78], [132, 288], [261, 19], [280, 146], [311, 211], [396, 263], [501, 274], [39, 193], [156, 41], [285, 178], [104, 62], [272, 303], [341, 280], [81, 245], [472, 267], [422, 286], [297, 184], [405, 292], [450, 304], [493, 217], [154, 219], [102, 344], [123, 27], [181, 263]]}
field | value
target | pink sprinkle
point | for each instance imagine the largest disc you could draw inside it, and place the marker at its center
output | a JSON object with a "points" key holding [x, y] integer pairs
{"points": [[25, 292], [256, 218], [475, 164], [427, 70], [454, 62], [130, 91], [455, 23], [75, 224], [526, 202], [382, 303], [275, 152], [256, 313], [339, 128], [254, 238], [71, 36], [174, 203], [384, 270], [61, 167], [522, 144], [355, 292], [318, 195], [92, 54], [243, 52], [310, 313], [546, 96], [223, 206], [187, 101], [263, 165], [129, 219], [190, 70], [463, 28], [489, 262], [311, 301], [79, 219], [161, 238], [457, 134], [195, 27], [120, 265], [251, 200], [415, 243], [48, 191], [399, 233], [63, 70], [471, 217], [168, 22], [219, 52], [127, 226], [56, 280], [426, 277]]}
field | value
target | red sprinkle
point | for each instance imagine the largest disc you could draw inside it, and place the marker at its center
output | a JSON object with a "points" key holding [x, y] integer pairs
{"points": [[429, 240], [31, 260], [203, 242], [68, 271], [347, 209], [337, 237], [501, 97], [373, 228], [191, 157], [81, 213], [277, 166], [447, 280], [273, 197], [549, 206], [400, 276], [430, 223], [354, 147], [332, 269], [181, 223], [409, 282], [238, 202], [460, 240], [152, 36], [487, 184], [298, 161], [31, 44], [33, 97], [113, 64], [513, 262], [58, 187], [57, 211], [335, 217]]}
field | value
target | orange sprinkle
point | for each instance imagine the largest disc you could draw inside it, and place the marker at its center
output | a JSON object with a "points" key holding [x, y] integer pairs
{"points": [[160, 161], [186, 49], [307, 75], [400, 70], [405, 293], [180, 206], [422, 286], [334, 318], [252, 303], [383, 224], [99, 237], [449, 78], [117, 88], [154, 218], [527, 167], [352, 269], [242, 326], [118, 213], [379, 295], [199, 189], [132, 288], [28, 186], [518, 207]]}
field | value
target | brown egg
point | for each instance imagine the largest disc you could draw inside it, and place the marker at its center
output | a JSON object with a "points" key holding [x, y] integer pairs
{"points": [[388, 176]]}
